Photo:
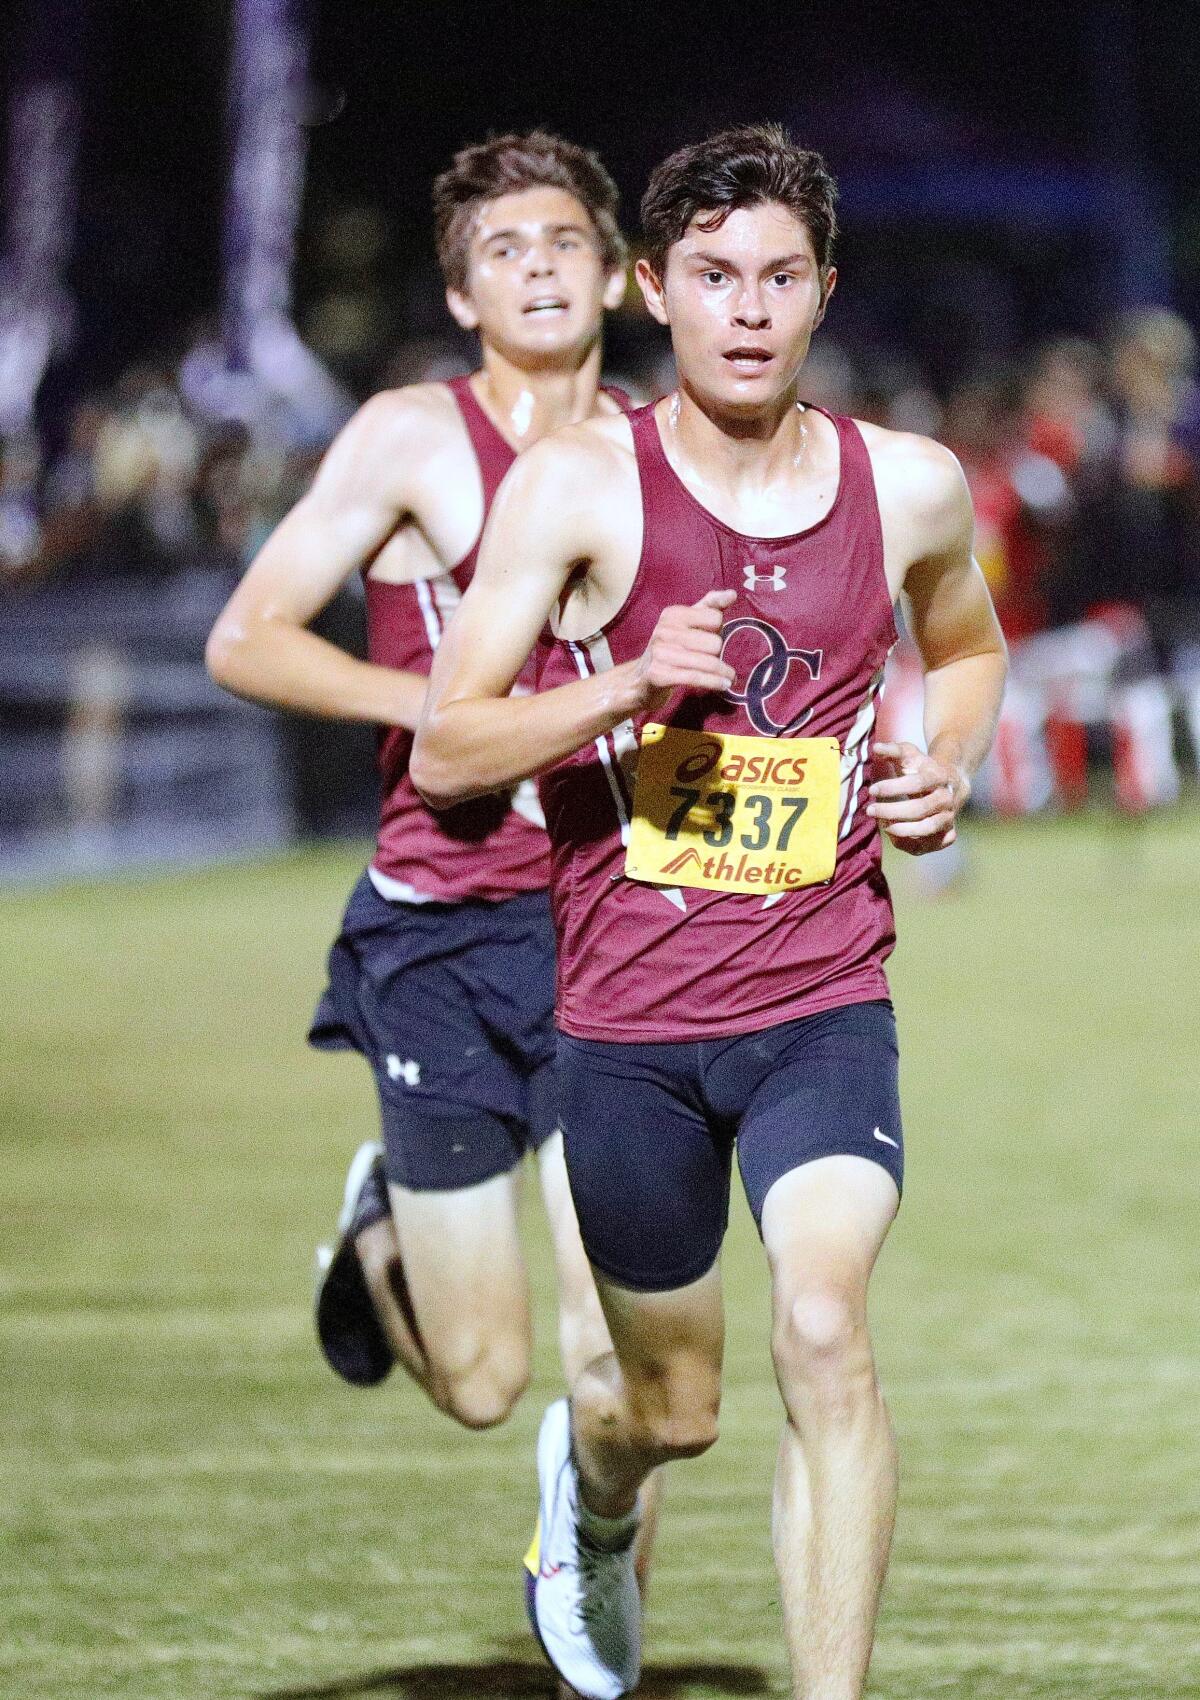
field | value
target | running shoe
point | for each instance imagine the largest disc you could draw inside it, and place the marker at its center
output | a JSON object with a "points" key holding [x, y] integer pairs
{"points": [[582, 1600], [349, 1331]]}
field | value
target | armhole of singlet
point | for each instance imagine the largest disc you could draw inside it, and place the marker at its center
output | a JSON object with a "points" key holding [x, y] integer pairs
{"points": [[632, 416], [470, 412], [848, 431]]}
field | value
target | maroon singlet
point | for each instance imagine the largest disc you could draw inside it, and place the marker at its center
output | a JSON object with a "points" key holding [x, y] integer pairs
{"points": [[492, 847], [807, 637]]}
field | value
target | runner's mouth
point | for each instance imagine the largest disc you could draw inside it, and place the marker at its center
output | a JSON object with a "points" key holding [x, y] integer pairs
{"points": [[546, 307], [749, 358]]}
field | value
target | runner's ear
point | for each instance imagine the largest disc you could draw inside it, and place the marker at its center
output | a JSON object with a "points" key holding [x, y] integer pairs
{"points": [[652, 291], [462, 310], [614, 289]]}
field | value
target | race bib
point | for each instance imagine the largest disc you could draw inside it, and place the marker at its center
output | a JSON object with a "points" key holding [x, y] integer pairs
{"points": [[728, 813]]}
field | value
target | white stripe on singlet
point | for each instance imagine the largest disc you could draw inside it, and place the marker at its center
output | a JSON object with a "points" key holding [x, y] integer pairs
{"points": [[396, 891], [439, 597], [428, 590], [446, 595], [596, 652], [433, 628], [854, 756], [592, 655]]}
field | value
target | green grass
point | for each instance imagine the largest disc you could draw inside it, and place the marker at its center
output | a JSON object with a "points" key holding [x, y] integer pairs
{"points": [[193, 1506]]}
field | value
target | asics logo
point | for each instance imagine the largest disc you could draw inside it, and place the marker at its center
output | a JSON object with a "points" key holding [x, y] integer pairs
{"points": [[768, 673], [776, 578], [548, 1570]]}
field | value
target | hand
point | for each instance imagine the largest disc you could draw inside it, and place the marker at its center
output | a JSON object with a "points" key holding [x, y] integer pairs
{"points": [[685, 651], [916, 797]]}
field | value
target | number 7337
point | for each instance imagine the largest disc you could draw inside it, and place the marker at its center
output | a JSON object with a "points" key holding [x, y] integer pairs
{"points": [[767, 829]]}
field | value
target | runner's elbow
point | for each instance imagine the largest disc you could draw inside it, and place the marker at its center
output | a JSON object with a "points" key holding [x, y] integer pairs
{"points": [[224, 653], [439, 779]]}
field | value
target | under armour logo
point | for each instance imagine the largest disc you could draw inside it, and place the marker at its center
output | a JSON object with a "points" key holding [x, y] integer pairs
{"points": [[776, 578], [409, 1071]]}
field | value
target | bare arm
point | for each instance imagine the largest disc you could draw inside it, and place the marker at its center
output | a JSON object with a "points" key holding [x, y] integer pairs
{"points": [[553, 516], [955, 628], [260, 646]]}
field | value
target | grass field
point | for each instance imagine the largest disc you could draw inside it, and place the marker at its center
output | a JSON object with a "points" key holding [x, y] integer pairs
{"points": [[194, 1507]]}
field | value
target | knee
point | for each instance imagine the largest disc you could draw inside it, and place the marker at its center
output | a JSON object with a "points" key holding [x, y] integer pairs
{"points": [[479, 1386], [822, 1353], [681, 1421]]}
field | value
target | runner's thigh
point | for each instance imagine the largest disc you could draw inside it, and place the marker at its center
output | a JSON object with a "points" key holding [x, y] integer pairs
{"points": [[649, 1174], [464, 1267]]}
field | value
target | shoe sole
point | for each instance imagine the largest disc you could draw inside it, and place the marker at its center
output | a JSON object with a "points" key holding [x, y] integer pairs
{"points": [[531, 1613], [360, 1354], [532, 1563]]}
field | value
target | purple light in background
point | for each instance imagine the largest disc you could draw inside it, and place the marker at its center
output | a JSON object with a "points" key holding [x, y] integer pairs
{"points": [[37, 315], [270, 106], [269, 79]]}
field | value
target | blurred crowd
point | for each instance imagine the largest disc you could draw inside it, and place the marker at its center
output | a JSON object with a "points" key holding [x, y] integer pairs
{"points": [[1084, 466], [1083, 460], [180, 463]]}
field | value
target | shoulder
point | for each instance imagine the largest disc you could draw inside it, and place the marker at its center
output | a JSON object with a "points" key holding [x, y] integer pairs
{"points": [[383, 453], [418, 413], [578, 464], [918, 481]]}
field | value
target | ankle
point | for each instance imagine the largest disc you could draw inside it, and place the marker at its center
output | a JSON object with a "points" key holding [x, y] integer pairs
{"points": [[609, 1533]]}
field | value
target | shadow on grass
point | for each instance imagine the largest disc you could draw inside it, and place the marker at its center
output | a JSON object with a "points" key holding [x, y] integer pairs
{"points": [[512, 1679]]}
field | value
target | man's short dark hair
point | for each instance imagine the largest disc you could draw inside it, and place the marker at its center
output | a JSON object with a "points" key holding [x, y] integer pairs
{"points": [[505, 165], [742, 167]]}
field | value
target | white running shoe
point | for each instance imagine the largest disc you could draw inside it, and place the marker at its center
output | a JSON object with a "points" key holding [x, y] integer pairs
{"points": [[583, 1602]]}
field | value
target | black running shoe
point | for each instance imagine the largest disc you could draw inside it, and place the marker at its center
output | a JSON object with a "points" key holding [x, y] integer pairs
{"points": [[350, 1333]]}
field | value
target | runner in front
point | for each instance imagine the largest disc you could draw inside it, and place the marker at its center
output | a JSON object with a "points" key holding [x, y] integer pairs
{"points": [[719, 572]]}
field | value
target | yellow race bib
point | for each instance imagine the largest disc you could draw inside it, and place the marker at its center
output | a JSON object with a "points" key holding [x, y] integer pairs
{"points": [[728, 813]]}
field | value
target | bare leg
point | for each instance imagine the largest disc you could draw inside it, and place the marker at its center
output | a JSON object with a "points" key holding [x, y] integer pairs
{"points": [[835, 1485], [379, 1253], [655, 1397], [582, 1330], [447, 1277]]}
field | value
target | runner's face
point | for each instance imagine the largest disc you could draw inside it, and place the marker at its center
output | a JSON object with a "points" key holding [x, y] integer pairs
{"points": [[742, 302], [536, 284]]}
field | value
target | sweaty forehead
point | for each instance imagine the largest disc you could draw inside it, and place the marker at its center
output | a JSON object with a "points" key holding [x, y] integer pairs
{"points": [[530, 210], [768, 228]]}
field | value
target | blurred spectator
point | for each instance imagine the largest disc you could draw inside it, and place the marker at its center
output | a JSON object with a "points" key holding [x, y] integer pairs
{"points": [[20, 525], [1084, 466]]}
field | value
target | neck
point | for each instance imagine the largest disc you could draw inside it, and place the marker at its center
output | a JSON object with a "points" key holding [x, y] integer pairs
{"points": [[736, 447], [526, 404]]}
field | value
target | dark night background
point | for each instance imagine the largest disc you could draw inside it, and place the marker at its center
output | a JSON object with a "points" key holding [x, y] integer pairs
{"points": [[874, 86]]}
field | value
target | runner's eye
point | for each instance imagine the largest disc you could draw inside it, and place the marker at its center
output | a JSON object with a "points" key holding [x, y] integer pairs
{"points": [[714, 277]]}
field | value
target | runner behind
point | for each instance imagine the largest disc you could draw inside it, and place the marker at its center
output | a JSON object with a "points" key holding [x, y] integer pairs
{"points": [[442, 976]]}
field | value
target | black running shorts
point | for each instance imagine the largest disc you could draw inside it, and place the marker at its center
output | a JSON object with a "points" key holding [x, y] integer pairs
{"points": [[650, 1131], [452, 1005]]}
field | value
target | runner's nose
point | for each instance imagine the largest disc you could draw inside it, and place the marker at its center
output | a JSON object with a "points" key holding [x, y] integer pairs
{"points": [[540, 263], [752, 314]]}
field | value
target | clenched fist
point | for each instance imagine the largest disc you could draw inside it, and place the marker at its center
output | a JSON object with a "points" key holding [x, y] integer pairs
{"points": [[685, 651]]}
